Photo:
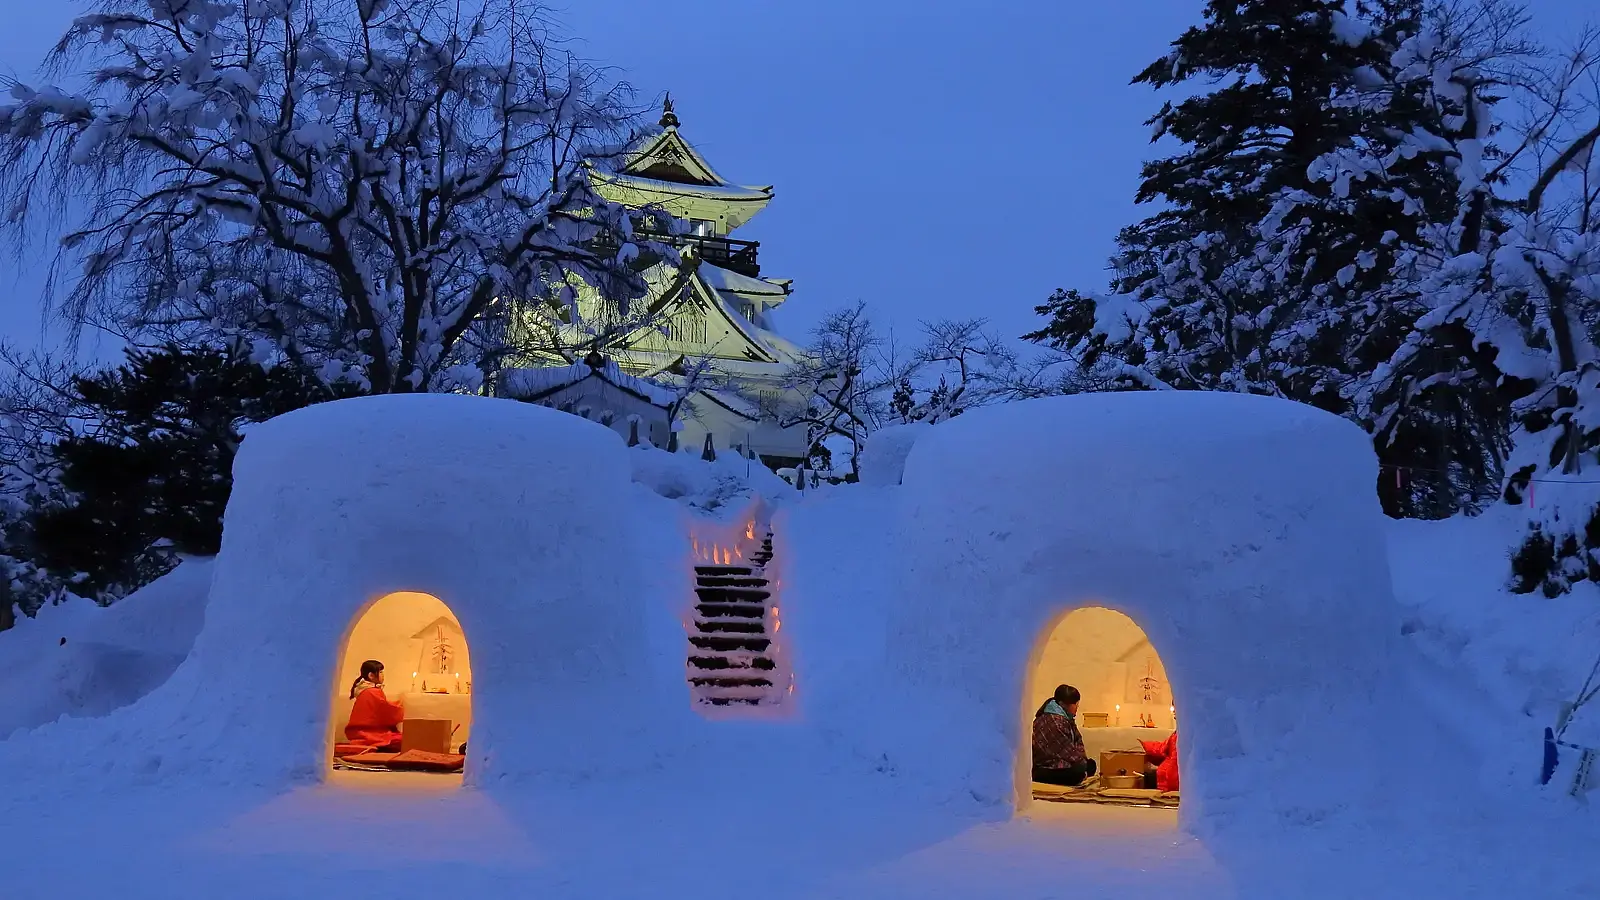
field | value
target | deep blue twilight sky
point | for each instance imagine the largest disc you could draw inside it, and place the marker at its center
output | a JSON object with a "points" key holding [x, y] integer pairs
{"points": [[937, 159]]}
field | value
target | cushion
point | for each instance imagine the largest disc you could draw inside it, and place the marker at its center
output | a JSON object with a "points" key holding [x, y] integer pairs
{"points": [[423, 759], [371, 758]]}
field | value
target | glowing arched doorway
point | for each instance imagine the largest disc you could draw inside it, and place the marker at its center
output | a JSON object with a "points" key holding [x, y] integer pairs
{"points": [[427, 669], [1127, 705]]}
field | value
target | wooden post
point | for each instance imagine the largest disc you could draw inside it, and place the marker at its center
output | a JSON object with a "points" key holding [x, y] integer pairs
{"points": [[710, 452]]}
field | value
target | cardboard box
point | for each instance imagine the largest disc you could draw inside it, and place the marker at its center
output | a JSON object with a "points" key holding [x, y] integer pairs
{"points": [[428, 735], [1122, 762]]}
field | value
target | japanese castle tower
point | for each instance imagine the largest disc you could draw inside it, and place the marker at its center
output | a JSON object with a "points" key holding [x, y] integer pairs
{"points": [[723, 313]]}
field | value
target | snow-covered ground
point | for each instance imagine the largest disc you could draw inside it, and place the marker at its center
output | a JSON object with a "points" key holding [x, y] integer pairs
{"points": [[792, 808], [740, 831]]}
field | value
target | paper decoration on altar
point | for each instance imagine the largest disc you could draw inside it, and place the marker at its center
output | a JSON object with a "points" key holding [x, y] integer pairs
{"points": [[438, 657]]}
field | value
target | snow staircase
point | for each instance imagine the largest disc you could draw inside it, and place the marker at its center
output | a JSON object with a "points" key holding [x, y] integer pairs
{"points": [[731, 658]]}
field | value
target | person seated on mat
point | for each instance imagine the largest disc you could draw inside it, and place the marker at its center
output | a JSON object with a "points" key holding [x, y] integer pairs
{"points": [[1161, 764], [1058, 754], [374, 719]]}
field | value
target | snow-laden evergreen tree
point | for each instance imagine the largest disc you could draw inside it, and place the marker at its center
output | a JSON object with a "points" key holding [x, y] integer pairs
{"points": [[148, 478], [366, 187], [1413, 199], [1506, 293], [1279, 267], [1203, 298]]}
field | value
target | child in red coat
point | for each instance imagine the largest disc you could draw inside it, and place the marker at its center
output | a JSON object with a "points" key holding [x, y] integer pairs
{"points": [[1161, 758], [374, 720]]}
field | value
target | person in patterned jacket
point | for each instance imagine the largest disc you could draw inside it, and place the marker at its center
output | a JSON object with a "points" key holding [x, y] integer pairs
{"points": [[1058, 754]]}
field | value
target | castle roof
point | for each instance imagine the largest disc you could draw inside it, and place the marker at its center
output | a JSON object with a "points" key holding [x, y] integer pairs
{"points": [[535, 384], [662, 168]]}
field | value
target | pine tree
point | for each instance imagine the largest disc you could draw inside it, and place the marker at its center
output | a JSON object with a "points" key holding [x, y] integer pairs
{"points": [[1202, 299], [152, 479], [1281, 264]]}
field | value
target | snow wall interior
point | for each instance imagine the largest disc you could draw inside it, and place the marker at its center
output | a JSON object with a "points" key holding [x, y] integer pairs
{"points": [[427, 663], [1242, 534]]}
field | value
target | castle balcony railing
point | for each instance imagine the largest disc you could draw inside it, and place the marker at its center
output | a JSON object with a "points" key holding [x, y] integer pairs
{"points": [[728, 253]]}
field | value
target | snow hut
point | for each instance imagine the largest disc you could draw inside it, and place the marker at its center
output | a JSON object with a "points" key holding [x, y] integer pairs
{"points": [[1241, 534], [505, 515]]}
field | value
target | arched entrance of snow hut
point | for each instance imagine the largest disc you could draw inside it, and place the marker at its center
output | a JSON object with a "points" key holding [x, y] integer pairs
{"points": [[427, 672], [1127, 707]]}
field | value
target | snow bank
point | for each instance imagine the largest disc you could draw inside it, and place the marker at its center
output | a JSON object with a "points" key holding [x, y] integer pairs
{"points": [[883, 460], [1492, 666], [513, 515], [1241, 533], [712, 486], [78, 659]]}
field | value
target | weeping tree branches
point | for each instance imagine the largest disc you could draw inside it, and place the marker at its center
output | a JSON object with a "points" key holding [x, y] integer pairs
{"points": [[356, 185]]}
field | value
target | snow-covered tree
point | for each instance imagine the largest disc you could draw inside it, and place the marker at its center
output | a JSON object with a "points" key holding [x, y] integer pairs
{"points": [[1206, 296], [36, 411], [1416, 196], [366, 187], [960, 364], [839, 387], [150, 476], [1324, 183]]}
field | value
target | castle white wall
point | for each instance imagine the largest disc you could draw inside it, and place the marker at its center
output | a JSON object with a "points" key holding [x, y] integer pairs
{"points": [[605, 403], [729, 430]]}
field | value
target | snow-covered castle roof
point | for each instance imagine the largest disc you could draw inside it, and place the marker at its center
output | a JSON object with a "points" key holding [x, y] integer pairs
{"points": [[533, 385]]}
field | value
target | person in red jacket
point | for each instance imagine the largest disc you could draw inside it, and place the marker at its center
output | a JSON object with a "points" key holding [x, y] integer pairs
{"points": [[1161, 758], [374, 720]]}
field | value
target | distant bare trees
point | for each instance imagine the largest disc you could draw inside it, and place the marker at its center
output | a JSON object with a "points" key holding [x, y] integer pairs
{"points": [[855, 379]]}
